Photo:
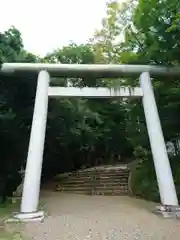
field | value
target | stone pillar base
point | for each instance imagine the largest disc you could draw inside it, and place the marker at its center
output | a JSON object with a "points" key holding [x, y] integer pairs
{"points": [[27, 217], [168, 211]]}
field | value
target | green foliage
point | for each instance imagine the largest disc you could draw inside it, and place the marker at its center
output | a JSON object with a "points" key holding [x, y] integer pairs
{"points": [[150, 36], [143, 178], [10, 45], [143, 181], [175, 165], [16, 98]]}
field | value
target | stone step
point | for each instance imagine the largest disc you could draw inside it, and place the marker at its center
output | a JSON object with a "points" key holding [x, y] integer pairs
{"points": [[105, 193], [98, 171], [90, 184], [102, 178], [90, 189], [103, 170], [94, 181], [111, 193], [99, 174], [94, 177]]}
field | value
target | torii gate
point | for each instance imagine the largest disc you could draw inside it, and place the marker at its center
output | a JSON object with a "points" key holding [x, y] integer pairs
{"points": [[30, 197]]}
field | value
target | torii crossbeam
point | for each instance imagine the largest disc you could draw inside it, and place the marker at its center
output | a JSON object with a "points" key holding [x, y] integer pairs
{"points": [[30, 198]]}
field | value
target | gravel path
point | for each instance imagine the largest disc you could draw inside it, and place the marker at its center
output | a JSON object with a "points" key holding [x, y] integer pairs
{"points": [[80, 217]]}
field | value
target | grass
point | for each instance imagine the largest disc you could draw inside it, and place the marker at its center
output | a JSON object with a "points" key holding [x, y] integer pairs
{"points": [[9, 232], [10, 236], [8, 208]]}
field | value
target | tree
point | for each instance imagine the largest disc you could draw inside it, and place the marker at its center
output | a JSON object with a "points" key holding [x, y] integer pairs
{"points": [[108, 40], [150, 36], [16, 99], [153, 37], [85, 126]]}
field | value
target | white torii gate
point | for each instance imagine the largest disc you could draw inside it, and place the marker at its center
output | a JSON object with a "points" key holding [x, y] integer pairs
{"points": [[30, 197]]}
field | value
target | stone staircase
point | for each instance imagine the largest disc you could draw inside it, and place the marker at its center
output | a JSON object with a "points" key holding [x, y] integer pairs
{"points": [[107, 180]]}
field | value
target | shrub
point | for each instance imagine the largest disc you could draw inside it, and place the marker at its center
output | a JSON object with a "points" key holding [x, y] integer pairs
{"points": [[143, 181], [8, 184], [143, 177]]}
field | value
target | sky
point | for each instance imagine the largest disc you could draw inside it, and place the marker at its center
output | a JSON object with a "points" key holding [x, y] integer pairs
{"points": [[46, 25]]}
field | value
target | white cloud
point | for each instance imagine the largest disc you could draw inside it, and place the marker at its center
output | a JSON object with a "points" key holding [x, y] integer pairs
{"points": [[46, 25]]}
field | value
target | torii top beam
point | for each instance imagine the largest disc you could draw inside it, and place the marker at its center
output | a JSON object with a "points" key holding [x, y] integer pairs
{"points": [[83, 70]]}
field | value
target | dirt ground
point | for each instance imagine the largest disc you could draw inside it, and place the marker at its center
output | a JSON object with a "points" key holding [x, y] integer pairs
{"points": [[81, 217]]}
